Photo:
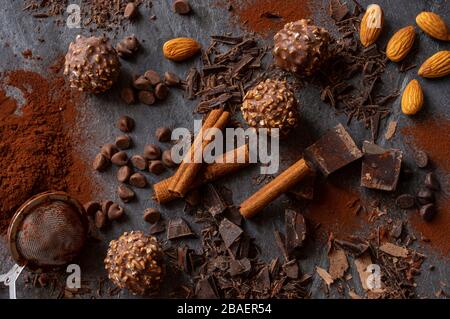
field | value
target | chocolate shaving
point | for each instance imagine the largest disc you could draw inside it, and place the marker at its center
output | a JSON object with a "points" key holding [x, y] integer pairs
{"points": [[295, 230]]}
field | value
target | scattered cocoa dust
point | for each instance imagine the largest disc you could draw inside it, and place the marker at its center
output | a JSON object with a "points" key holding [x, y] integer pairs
{"points": [[336, 209], [432, 136], [266, 16], [37, 141]]}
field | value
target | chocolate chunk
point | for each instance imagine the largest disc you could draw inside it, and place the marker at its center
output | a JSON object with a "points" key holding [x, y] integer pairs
{"points": [[157, 228], [291, 269], [171, 79], [432, 182], [123, 142], [91, 207], [125, 193], [427, 212], [295, 230], [124, 173], [421, 159], [130, 10], [425, 196], [152, 215], [163, 134], [127, 95], [156, 167], [161, 91], [142, 83], [108, 150], [178, 228], [146, 97], [138, 180], [229, 231], [100, 162], [213, 201], [167, 159], [181, 7], [125, 124], [105, 205], [115, 212], [120, 158], [405, 201], [100, 219], [153, 77], [152, 152], [206, 288], [139, 162], [240, 267]]}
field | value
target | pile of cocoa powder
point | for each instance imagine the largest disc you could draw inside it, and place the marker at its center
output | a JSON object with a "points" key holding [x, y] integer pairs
{"points": [[37, 139]]}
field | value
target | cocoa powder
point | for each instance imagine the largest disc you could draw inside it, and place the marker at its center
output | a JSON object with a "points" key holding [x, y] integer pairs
{"points": [[37, 138], [265, 16]]}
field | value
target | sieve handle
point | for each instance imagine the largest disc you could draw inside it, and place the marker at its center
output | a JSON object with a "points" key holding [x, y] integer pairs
{"points": [[9, 279]]}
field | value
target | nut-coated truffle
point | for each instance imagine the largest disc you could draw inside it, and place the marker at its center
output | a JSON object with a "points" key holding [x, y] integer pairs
{"points": [[134, 262], [301, 47], [92, 64], [271, 104]]}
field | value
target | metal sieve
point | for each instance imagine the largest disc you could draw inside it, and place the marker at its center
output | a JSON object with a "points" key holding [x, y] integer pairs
{"points": [[46, 232]]}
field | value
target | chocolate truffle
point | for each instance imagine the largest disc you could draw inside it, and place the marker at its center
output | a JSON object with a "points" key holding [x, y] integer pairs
{"points": [[92, 64], [271, 104], [134, 262], [301, 47]]}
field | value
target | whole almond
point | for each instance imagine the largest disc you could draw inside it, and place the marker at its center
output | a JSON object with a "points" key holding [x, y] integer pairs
{"points": [[180, 49], [412, 98], [400, 44], [436, 66], [371, 25], [433, 25]]}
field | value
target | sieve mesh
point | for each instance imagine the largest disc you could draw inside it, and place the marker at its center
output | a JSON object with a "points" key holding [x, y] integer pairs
{"points": [[51, 235]]}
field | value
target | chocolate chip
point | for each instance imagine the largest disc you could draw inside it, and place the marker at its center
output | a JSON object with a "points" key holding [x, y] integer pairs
{"points": [[152, 215], [152, 152], [125, 124], [427, 212], [138, 180], [120, 158], [171, 79], [425, 196], [115, 212], [124, 173], [108, 150], [105, 205], [130, 11], [139, 162], [123, 142], [432, 182], [161, 91], [100, 219], [156, 167], [405, 201], [146, 97], [421, 159], [153, 77], [127, 95], [142, 83], [125, 193], [167, 159], [127, 47], [181, 6], [92, 207], [100, 162], [163, 134]]}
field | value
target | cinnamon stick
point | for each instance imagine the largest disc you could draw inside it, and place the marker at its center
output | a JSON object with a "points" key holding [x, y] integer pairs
{"points": [[220, 168], [269, 192], [188, 170]]}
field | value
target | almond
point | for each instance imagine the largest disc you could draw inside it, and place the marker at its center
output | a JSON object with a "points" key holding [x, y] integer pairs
{"points": [[400, 44], [433, 25], [436, 66], [412, 98], [371, 25], [180, 49]]}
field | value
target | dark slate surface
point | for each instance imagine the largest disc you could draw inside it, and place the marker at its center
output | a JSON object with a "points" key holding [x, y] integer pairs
{"points": [[100, 113]]}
